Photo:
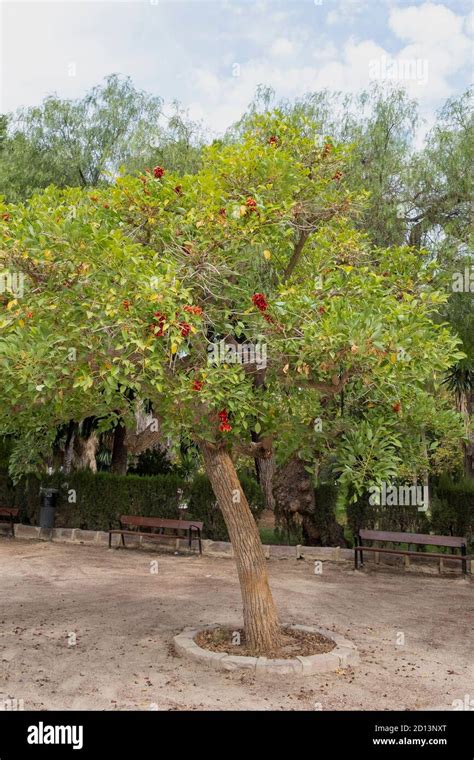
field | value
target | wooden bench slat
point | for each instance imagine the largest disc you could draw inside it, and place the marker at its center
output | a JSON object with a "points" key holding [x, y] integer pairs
{"points": [[11, 511], [146, 535], [415, 539], [384, 550], [182, 529], [423, 539], [159, 522], [7, 515]]}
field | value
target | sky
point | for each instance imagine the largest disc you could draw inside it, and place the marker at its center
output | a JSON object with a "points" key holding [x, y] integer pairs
{"points": [[212, 54]]}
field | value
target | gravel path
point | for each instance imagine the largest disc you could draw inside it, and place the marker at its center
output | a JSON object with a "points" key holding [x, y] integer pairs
{"points": [[84, 627]]}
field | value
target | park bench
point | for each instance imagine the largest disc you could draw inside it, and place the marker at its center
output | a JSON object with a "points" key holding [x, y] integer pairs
{"points": [[412, 539], [7, 517], [158, 528]]}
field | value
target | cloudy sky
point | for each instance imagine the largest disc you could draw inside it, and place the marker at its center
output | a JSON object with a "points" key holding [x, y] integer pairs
{"points": [[211, 54]]}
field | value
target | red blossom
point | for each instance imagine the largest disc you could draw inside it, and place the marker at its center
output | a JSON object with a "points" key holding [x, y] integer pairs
{"points": [[197, 385], [158, 330], [259, 300], [222, 212], [223, 415], [126, 304], [6, 216], [178, 190], [185, 329], [396, 407], [193, 310], [337, 176], [327, 149], [273, 140], [251, 203], [224, 427], [158, 172], [29, 314], [322, 309]]}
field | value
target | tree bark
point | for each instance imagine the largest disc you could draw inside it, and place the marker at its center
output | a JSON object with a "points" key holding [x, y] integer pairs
{"points": [[84, 452], [262, 629], [69, 447], [119, 462]]}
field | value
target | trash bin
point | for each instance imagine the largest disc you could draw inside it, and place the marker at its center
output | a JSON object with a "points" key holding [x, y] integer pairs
{"points": [[48, 506]]}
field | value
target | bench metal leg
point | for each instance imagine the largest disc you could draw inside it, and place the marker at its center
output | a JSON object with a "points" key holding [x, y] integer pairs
{"points": [[464, 562]]}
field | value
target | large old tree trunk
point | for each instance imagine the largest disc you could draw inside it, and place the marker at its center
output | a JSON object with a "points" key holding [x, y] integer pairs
{"points": [[85, 450], [119, 462], [261, 625], [297, 506]]}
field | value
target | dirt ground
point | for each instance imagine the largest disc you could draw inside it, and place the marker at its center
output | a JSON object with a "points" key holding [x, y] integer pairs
{"points": [[84, 627]]}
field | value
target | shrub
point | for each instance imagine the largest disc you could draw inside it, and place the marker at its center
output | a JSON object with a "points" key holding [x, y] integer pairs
{"points": [[203, 505], [362, 514], [102, 497], [453, 508]]}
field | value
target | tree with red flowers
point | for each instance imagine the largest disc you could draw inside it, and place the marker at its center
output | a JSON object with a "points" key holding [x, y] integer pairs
{"points": [[139, 292]]}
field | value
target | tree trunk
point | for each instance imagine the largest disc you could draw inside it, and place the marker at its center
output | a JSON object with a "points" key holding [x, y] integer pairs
{"points": [[262, 630], [119, 462], [69, 448], [84, 452], [265, 471]]}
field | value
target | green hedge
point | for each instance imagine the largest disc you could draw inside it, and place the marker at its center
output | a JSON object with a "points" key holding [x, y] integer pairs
{"points": [[407, 519], [451, 513], [102, 497], [453, 508], [202, 503]]}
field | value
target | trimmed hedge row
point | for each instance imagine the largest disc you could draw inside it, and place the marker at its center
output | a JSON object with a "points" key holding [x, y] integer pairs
{"points": [[452, 513], [453, 508], [90, 501]]}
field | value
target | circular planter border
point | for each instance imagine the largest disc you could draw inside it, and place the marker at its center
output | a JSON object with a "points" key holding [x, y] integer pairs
{"points": [[344, 654]]}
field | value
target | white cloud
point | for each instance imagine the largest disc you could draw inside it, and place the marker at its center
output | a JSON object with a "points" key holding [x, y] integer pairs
{"points": [[186, 50], [345, 11], [282, 47]]}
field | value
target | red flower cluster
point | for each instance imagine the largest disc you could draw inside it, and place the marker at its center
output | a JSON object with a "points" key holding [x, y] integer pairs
{"points": [[6, 216], [158, 172], [185, 329], [158, 330], [337, 176], [225, 426], [29, 314], [397, 407], [222, 212], [251, 203], [272, 140], [197, 385], [259, 300], [322, 309], [126, 304], [178, 190], [193, 310]]}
